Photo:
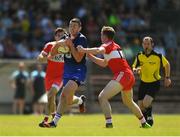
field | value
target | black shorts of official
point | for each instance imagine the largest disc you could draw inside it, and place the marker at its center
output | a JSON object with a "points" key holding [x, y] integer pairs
{"points": [[150, 89], [19, 94]]}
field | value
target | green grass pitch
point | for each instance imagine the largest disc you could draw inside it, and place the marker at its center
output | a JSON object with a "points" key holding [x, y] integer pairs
{"points": [[88, 125]]}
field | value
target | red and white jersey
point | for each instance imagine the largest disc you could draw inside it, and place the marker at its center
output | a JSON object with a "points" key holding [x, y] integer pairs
{"points": [[55, 67], [115, 57]]}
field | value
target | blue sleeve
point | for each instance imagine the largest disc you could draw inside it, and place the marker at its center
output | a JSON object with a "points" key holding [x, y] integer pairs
{"points": [[82, 42]]}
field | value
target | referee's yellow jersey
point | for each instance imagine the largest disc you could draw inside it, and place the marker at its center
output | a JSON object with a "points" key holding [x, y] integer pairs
{"points": [[150, 65]]}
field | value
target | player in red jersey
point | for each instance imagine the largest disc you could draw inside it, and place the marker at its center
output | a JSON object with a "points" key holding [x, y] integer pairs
{"points": [[54, 73], [123, 79]]}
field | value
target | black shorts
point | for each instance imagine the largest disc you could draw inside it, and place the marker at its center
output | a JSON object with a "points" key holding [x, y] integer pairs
{"points": [[150, 89], [19, 94]]}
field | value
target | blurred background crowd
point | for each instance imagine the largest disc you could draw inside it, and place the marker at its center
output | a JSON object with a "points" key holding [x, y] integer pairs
{"points": [[25, 26]]}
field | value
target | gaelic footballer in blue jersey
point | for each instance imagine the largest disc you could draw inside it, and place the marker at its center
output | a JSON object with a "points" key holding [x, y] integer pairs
{"points": [[74, 71]]}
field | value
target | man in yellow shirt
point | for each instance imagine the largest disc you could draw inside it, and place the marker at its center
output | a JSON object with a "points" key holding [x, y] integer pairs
{"points": [[147, 64]]}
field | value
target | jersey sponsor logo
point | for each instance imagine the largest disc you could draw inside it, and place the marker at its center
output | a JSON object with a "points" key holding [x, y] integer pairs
{"points": [[114, 54], [58, 58], [152, 63]]}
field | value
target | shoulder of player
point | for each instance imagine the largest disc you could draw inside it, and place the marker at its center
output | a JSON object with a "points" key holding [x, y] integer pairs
{"points": [[81, 36], [50, 43], [140, 53]]}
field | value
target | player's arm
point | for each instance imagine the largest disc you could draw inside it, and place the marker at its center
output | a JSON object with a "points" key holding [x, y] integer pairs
{"points": [[42, 57], [94, 51], [135, 67], [78, 56], [98, 61], [167, 71]]}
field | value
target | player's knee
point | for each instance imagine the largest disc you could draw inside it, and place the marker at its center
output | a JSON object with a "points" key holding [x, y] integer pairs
{"points": [[65, 98], [128, 102], [101, 97]]}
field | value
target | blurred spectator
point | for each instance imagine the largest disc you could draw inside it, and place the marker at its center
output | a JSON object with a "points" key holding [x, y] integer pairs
{"points": [[1, 50], [38, 89], [19, 80], [34, 21], [159, 48], [170, 39]]}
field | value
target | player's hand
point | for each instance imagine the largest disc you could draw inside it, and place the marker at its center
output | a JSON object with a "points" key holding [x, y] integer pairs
{"points": [[49, 57], [167, 82], [68, 42], [80, 48], [88, 55], [137, 70]]}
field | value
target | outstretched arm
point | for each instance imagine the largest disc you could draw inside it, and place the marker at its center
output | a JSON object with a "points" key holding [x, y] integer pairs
{"points": [[98, 61], [96, 50]]}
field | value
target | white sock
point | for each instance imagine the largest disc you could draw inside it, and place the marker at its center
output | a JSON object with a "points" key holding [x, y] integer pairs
{"points": [[109, 120], [79, 100], [142, 120], [56, 118]]}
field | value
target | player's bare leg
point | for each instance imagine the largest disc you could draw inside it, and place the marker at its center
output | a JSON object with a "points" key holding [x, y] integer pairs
{"points": [[66, 100], [51, 105], [146, 108], [127, 97], [111, 89], [51, 100]]}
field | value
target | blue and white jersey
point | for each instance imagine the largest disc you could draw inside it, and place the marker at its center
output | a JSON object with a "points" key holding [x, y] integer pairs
{"points": [[75, 70], [17, 73], [20, 78], [38, 82], [35, 73]]}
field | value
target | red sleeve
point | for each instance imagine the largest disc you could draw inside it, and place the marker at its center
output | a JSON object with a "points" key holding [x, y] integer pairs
{"points": [[108, 48], [47, 48]]}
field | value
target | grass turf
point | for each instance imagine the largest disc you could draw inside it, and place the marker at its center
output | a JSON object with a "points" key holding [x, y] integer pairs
{"points": [[88, 125]]}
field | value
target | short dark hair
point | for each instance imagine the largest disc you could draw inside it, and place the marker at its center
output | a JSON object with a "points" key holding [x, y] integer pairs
{"points": [[108, 31], [149, 38], [59, 29], [76, 20]]}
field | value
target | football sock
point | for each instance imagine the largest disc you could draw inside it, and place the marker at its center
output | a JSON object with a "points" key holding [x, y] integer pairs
{"points": [[142, 120], [79, 100], [144, 114], [108, 120], [56, 118], [149, 111]]}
